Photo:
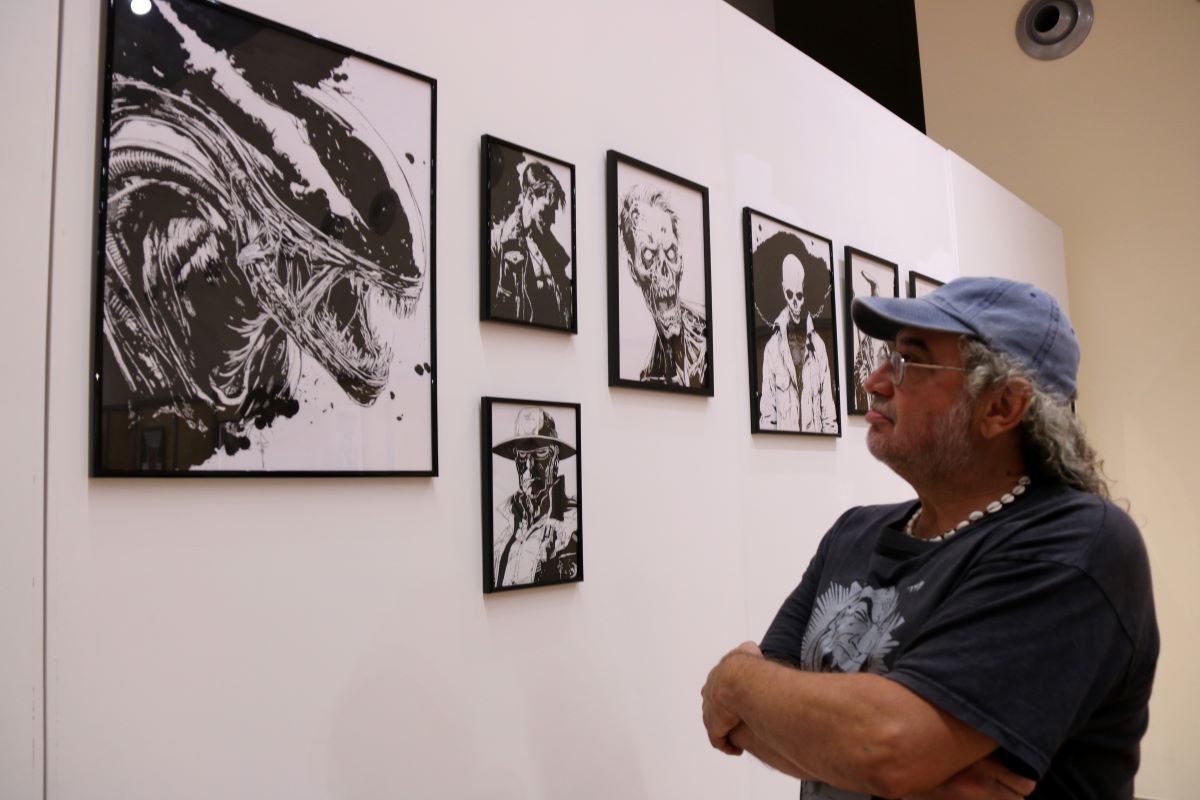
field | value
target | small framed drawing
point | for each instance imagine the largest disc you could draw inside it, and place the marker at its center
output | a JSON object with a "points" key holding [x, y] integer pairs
{"points": [[866, 276], [532, 520], [527, 273], [265, 253], [791, 320], [920, 285], [659, 281]]}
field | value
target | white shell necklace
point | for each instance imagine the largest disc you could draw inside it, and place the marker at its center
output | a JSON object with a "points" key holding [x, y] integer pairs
{"points": [[992, 508]]}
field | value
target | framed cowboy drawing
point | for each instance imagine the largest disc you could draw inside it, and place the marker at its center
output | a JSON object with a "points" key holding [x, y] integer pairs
{"points": [[532, 482]]}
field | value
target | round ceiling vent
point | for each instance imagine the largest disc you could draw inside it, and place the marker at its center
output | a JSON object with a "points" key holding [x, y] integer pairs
{"points": [[1049, 29]]}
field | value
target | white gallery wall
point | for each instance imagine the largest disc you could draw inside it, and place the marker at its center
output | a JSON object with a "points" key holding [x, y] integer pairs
{"points": [[327, 638]]}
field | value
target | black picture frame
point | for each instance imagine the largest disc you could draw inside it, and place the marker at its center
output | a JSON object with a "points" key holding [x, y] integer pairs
{"points": [[682, 205], [265, 274], [509, 291], [864, 354], [920, 284], [549, 550], [786, 265]]}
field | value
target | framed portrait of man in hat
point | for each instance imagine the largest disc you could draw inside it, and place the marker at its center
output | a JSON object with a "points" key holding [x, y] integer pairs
{"points": [[791, 329], [532, 523]]}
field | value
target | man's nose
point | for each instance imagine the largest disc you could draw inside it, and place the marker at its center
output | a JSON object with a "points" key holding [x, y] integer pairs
{"points": [[880, 381]]}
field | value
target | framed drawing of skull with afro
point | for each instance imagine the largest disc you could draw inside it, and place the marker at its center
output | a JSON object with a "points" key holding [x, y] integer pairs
{"points": [[265, 256], [659, 280], [791, 322]]}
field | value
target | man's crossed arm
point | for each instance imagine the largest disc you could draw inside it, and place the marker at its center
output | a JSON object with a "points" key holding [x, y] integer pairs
{"points": [[858, 732]]}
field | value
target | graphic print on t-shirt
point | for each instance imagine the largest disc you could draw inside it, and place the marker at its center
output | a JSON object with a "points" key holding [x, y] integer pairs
{"points": [[850, 629]]}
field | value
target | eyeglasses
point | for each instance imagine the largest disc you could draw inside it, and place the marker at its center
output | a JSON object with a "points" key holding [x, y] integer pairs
{"points": [[900, 363]]}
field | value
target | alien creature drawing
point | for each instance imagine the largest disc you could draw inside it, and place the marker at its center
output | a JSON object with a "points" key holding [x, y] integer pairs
{"points": [[260, 235], [654, 257]]}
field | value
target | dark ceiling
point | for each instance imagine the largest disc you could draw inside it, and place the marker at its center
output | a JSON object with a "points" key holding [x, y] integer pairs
{"points": [[872, 44]]}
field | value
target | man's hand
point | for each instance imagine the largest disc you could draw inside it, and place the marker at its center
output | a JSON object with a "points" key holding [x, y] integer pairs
{"points": [[718, 720], [986, 779]]}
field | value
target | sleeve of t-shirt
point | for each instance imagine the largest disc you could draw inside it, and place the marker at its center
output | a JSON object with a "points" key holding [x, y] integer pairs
{"points": [[786, 634], [1020, 651]]}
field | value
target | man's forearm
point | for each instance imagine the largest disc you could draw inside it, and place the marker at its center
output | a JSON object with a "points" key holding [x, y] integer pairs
{"points": [[858, 732], [743, 738]]}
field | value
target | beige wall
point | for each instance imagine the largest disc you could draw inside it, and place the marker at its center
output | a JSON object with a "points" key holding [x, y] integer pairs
{"points": [[1106, 142]]}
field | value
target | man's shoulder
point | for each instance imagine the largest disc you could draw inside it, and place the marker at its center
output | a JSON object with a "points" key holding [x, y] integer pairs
{"points": [[1076, 527], [1093, 537]]}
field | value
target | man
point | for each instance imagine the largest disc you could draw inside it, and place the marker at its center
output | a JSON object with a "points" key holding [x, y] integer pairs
{"points": [[996, 637], [650, 237], [797, 388], [540, 540], [529, 265]]}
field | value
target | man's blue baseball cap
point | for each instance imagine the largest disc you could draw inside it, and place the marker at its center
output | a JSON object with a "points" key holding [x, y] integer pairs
{"points": [[1014, 318]]}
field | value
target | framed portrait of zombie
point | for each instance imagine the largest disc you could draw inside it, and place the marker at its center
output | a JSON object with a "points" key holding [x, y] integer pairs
{"points": [[527, 273], [532, 505], [791, 322], [866, 276], [659, 281], [920, 285], [265, 254]]}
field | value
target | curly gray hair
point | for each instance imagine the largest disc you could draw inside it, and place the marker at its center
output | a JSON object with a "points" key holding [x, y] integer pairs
{"points": [[1052, 438]]}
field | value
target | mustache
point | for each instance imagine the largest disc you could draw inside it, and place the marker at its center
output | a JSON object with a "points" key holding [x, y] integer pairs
{"points": [[877, 404]]}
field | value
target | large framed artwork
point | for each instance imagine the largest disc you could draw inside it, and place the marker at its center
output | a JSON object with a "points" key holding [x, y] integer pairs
{"points": [[265, 263], [866, 276], [920, 285], [527, 273], [532, 504], [659, 280], [791, 321]]}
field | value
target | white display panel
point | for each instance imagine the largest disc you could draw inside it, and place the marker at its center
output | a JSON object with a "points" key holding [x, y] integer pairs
{"points": [[328, 638]]}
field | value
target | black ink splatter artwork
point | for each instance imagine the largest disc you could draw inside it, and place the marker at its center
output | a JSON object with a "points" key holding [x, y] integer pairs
{"points": [[260, 235]]}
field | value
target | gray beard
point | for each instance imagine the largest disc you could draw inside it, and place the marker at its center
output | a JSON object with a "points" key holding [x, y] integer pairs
{"points": [[947, 455]]}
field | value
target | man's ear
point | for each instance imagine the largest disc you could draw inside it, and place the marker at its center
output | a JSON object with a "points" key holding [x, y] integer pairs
{"points": [[1003, 407]]}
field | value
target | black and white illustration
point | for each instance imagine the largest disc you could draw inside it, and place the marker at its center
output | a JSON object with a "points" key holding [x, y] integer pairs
{"points": [[791, 325], [920, 285], [850, 629], [265, 255], [528, 259], [866, 276], [659, 280], [532, 531]]}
